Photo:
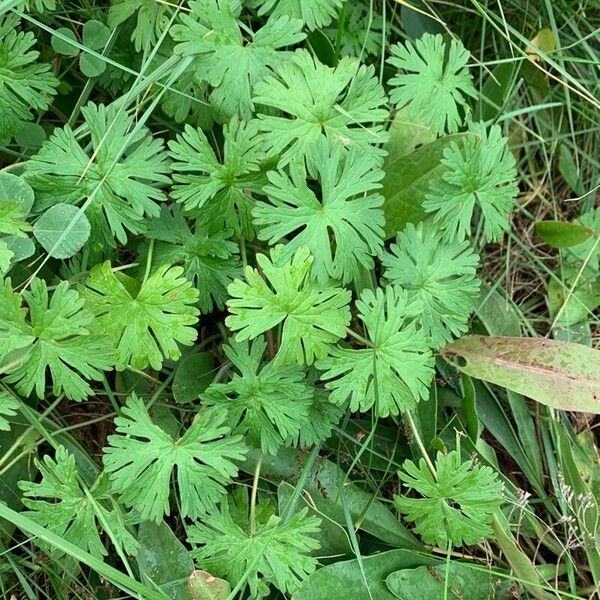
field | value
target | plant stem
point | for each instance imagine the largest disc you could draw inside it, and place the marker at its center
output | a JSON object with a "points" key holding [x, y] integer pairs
{"points": [[419, 441], [148, 261], [243, 256], [23, 437], [253, 495], [360, 338]]}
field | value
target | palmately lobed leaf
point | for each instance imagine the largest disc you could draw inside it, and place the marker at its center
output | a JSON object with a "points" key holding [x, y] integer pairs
{"points": [[141, 458], [209, 258], [457, 504], [315, 13], [342, 225], [359, 26], [268, 403], [118, 178], [217, 191], [214, 32], [51, 336], [433, 82], [146, 321], [313, 317], [59, 503], [345, 105], [277, 553], [150, 19], [8, 409], [394, 372], [439, 277], [25, 84], [480, 178]]}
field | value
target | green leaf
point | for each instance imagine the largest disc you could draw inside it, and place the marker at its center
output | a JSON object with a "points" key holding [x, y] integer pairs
{"points": [[6, 256], [163, 560], [333, 492], [145, 321], [439, 278], [524, 448], [62, 46], [12, 221], [433, 81], [62, 230], [559, 374], [8, 408], [313, 317], [333, 537], [406, 135], [215, 189], [27, 86], [415, 22], [141, 457], [95, 34], [269, 404], [463, 582], [52, 336], [21, 247], [322, 47], [31, 137], [346, 213], [91, 66], [573, 298], [360, 580], [59, 503], [315, 13], [16, 200], [208, 256], [193, 375], [119, 579], [409, 174], [497, 313], [358, 30], [204, 586], [349, 108], [151, 20], [560, 234], [391, 375], [480, 173], [117, 174], [16, 189], [456, 504], [517, 559], [570, 170], [214, 32], [589, 250], [275, 554]]}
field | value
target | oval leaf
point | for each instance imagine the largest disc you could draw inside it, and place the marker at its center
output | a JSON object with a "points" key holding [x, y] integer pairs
{"points": [[360, 580], [194, 374], [204, 586], [51, 230], [15, 189], [21, 247], [95, 35], [60, 42], [163, 560], [322, 47], [407, 178], [563, 375], [32, 136], [91, 66], [559, 234]]}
